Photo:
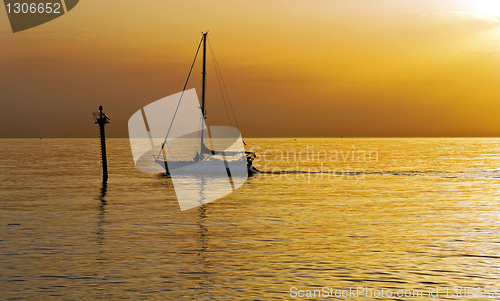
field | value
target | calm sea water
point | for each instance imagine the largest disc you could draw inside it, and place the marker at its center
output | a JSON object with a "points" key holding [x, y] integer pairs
{"points": [[397, 214]]}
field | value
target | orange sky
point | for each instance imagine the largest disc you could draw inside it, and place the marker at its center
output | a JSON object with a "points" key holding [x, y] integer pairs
{"points": [[292, 68]]}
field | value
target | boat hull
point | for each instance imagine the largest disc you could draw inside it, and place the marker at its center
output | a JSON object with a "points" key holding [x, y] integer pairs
{"points": [[189, 168]]}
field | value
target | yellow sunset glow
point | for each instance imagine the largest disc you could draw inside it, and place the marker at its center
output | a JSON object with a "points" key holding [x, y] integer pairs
{"points": [[488, 7], [302, 68]]}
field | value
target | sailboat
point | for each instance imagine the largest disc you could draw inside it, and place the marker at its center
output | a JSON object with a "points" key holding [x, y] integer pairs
{"points": [[225, 154]]}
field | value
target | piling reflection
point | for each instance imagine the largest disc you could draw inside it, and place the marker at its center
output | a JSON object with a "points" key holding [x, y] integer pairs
{"points": [[102, 256]]}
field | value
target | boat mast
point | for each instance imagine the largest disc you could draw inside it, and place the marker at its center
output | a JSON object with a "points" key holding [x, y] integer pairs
{"points": [[203, 86], [204, 73]]}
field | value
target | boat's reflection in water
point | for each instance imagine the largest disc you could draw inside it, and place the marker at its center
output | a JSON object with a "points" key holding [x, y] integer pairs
{"points": [[203, 240], [193, 191], [202, 188]]}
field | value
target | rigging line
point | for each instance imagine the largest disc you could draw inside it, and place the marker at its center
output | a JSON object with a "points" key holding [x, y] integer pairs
{"points": [[182, 94], [201, 131], [224, 86], [206, 93], [220, 85], [192, 65], [221, 81], [204, 117], [219, 75]]}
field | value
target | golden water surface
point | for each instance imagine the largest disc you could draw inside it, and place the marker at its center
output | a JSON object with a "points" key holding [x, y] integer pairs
{"points": [[392, 214]]}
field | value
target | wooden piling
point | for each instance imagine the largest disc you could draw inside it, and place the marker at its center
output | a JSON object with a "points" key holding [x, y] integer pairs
{"points": [[101, 119]]}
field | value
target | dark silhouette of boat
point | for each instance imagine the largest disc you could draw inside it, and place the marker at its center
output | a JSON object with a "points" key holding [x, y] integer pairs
{"points": [[207, 160]]}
